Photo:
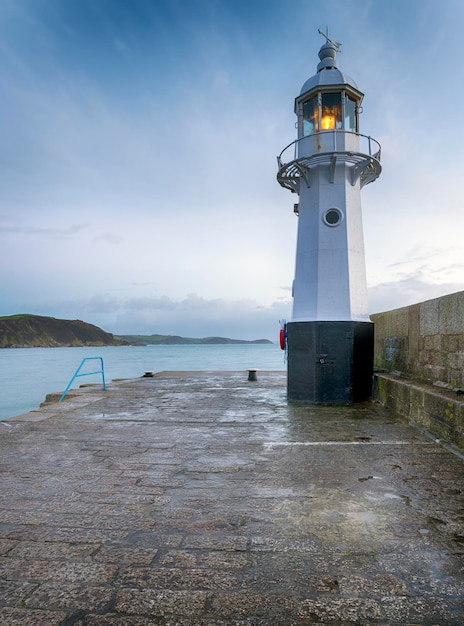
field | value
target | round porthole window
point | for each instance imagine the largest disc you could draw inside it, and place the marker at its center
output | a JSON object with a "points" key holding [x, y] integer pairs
{"points": [[333, 217]]}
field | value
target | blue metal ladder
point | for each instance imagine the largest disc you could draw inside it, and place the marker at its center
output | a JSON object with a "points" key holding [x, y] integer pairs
{"points": [[76, 374]]}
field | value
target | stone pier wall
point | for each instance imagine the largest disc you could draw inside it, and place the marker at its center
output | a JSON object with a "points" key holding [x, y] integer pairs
{"points": [[422, 347], [425, 341]]}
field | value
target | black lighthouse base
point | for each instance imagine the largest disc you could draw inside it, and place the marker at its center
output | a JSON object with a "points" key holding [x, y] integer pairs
{"points": [[330, 362]]}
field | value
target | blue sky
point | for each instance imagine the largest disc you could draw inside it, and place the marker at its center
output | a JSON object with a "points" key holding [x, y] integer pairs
{"points": [[138, 156]]}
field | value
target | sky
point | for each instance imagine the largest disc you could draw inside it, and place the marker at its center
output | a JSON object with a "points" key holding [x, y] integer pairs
{"points": [[138, 144]]}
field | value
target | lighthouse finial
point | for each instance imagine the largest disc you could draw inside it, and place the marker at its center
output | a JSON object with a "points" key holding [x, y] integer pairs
{"points": [[328, 52], [335, 44]]}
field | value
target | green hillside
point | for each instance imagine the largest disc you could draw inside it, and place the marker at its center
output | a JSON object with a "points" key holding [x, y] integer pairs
{"points": [[34, 331], [172, 340]]}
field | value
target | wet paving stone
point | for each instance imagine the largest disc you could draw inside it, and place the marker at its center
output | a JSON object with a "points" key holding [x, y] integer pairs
{"points": [[199, 499], [252, 606], [176, 578], [13, 593], [45, 570], [161, 603], [51, 551], [22, 617], [70, 596], [122, 554]]}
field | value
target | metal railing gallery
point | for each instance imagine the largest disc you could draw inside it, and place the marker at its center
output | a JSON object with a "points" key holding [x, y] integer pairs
{"points": [[368, 145]]}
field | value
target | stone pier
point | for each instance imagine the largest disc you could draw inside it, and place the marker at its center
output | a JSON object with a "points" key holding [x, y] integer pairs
{"points": [[201, 498], [419, 358]]}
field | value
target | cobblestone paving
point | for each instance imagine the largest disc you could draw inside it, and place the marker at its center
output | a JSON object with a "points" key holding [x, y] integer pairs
{"points": [[205, 499]]}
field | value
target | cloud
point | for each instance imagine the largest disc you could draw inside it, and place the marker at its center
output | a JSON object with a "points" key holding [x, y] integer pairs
{"points": [[404, 292], [243, 319], [53, 233], [148, 283], [109, 238], [121, 46], [221, 78], [191, 316]]}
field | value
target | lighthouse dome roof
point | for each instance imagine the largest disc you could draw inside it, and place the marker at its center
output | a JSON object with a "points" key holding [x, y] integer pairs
{"points": [[327, 77], [328, 73]]}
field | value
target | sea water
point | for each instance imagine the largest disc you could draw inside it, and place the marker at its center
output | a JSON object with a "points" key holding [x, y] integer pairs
{"points": [[28, 374]]}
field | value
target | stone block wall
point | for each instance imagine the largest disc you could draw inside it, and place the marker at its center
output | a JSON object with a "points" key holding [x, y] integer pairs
{"points": [[419, 363], [438, 411], [424, 341]]}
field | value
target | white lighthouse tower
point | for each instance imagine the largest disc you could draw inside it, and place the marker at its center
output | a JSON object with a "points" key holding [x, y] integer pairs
{"points": [[330, 338]]}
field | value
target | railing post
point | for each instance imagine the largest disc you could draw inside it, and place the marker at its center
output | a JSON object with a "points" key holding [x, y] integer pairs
{"points": [[76, 375]]}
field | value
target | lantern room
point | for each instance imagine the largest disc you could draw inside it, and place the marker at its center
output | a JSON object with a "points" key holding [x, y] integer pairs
{"points": [[329, 100], [329, 111]]}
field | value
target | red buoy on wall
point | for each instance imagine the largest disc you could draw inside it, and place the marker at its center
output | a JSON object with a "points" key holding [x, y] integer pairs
{"points": [[283, 335]]}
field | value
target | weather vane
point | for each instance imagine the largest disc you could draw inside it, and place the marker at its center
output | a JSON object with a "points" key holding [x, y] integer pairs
{"points": [[332, 41]]}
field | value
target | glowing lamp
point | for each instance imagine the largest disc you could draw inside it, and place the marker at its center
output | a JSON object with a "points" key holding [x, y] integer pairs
{"points": [[328, 122]]}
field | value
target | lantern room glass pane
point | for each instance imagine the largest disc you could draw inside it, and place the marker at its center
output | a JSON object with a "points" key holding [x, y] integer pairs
{"points": [[331, 118], [350, 115], [310, 124]]}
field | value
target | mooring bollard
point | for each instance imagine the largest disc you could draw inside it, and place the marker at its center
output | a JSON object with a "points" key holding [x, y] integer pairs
{"points": [[252, 374]]}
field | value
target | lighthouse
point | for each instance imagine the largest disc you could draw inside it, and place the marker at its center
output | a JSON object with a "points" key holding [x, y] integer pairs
{"points": [[329, 337]]}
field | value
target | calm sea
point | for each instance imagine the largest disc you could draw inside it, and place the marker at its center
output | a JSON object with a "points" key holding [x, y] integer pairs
{"points": [[28, 374]]}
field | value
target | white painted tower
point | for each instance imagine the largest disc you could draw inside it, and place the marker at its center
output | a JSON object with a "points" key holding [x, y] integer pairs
{"points": [[330, 337]]}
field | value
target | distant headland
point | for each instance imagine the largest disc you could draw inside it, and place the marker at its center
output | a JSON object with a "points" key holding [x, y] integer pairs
{"points": [[36, 331], [173, 340]]}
